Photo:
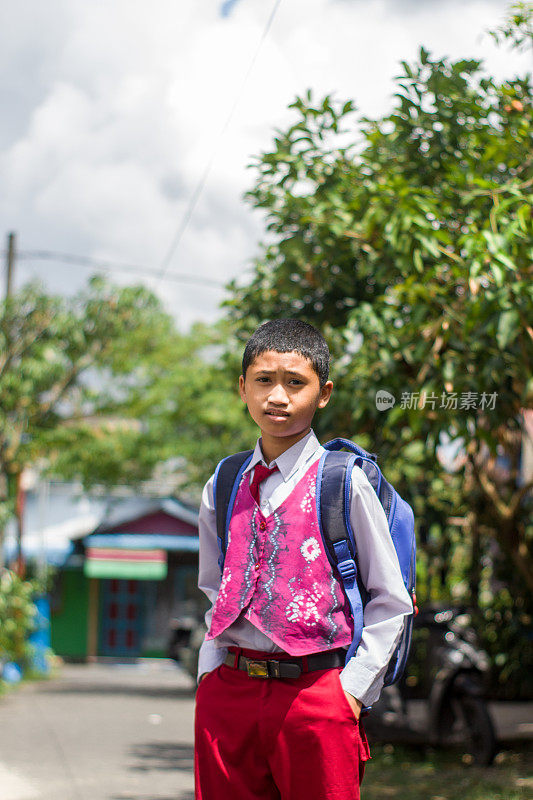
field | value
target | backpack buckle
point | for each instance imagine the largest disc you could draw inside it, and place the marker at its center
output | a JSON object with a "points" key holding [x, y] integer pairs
{"points": [[347, 569]]}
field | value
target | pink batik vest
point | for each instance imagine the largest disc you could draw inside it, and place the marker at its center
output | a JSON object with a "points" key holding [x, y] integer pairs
{"points": [[277, 574]]}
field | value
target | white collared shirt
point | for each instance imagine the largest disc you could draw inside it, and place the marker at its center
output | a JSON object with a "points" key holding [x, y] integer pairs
{"points": [[379, 569]]}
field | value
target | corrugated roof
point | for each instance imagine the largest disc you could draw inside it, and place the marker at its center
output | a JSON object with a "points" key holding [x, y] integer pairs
{"points": [[122, 511]]}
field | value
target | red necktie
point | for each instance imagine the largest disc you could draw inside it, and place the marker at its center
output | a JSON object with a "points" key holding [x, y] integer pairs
{"points": [[260, 474]]}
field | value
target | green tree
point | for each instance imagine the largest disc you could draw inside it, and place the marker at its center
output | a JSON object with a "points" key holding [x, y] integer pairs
{"points": [[71, 375], [192, 401], [102, 388], [408, 239]]}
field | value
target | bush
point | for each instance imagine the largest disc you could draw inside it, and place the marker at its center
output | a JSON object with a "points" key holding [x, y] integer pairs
{"points": [[506, 632], [17, 614]]}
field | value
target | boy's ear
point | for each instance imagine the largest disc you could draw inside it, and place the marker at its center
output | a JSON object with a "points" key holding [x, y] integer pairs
{"points": [[241, 388], [325, 394]]}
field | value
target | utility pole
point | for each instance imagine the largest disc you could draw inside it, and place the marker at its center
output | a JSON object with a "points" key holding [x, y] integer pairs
{"points": [[10, 263], [5, 482]]}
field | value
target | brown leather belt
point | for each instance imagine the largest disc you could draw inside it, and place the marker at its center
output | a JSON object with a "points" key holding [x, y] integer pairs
{"points": [[281, 668]]}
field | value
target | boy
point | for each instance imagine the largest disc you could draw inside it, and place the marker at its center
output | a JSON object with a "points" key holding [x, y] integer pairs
{"points": [[279, 609]]}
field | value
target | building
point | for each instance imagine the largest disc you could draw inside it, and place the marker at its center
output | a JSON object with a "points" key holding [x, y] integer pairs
{"points": [[126, 580]]}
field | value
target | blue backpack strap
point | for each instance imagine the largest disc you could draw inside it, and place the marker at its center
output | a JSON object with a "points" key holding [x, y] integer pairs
{"points": [[333, 507], [339, 443], [401, 527], [226, 481]]}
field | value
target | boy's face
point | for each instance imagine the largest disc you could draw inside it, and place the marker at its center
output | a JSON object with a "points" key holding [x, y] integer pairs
{"points": [[282, 392]]}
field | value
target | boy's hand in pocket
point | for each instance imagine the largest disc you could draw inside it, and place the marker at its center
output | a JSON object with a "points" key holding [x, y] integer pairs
{"points": [[354, 704]]}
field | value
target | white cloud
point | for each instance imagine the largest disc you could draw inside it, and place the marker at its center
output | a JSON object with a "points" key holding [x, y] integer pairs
{"points": [[118, 107]]}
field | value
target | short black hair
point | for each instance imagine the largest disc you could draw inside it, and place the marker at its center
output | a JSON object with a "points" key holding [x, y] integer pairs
{"points": [[289, 336]]}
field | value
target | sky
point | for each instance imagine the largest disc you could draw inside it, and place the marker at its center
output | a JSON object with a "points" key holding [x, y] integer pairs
{"points": [[127, 126]]}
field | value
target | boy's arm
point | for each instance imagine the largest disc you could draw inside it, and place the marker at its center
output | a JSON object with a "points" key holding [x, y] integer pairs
{"points": [[210, 655], [389, 601]]}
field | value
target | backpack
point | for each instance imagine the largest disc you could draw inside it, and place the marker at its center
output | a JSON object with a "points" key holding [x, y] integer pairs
{"points": [[332, 500]]}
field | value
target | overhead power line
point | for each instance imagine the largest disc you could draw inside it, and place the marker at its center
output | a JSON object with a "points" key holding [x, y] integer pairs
{"points": [[182, 227], [113, 266], [160, 274]]}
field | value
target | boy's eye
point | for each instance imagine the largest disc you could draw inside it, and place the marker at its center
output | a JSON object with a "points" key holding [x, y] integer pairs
{"points": [[266, 379]]}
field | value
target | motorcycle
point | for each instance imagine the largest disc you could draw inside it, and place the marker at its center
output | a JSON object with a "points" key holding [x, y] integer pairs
{"points": [[440, 699], [185, 639]]}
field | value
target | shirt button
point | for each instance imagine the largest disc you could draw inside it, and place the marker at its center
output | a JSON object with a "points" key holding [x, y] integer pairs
{"points": [[262, 525], [257, 567]]}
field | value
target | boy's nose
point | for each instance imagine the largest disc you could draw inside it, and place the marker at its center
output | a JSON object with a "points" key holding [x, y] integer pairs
{"points": [[278, 395]]}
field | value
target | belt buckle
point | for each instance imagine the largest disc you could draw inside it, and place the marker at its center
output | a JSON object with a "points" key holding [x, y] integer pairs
{"points": [[257, 669]]}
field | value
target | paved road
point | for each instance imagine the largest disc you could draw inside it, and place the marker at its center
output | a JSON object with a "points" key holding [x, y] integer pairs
{"points": [[105, 732], [100, 732]]}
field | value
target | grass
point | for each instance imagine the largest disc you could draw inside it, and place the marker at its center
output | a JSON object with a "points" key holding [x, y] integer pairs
{"points": [[401, 773]]}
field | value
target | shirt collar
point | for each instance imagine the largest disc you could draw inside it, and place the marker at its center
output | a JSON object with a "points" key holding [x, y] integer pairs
{"points": [[291, 459]]}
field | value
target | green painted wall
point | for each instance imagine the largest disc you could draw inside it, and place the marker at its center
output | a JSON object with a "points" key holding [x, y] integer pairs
{"points": [[70, 613]]}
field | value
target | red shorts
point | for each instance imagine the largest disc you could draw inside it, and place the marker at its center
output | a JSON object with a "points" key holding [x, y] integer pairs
{"points": [[276, 738]]}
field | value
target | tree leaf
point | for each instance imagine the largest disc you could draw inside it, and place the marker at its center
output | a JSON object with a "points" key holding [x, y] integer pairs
{"points": [[508, 328]]}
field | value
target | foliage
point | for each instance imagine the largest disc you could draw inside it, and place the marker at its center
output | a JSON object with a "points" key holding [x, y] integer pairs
{"points": [[102, 388], [17, 613], [408, 240], [203, 416], [74, 378], [506, 633], [518, 27], [49, 348]]}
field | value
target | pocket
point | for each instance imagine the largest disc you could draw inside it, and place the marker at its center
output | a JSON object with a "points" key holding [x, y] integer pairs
{"points": [[347, 707], [208, 676], [364, 753]]}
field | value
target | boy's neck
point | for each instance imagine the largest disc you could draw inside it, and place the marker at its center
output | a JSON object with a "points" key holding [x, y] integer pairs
{"points": [[274, 446]]}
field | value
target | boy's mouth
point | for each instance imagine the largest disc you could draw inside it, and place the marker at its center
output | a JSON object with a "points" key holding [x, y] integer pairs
{"points": [[273, 412]]}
